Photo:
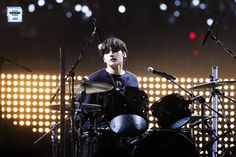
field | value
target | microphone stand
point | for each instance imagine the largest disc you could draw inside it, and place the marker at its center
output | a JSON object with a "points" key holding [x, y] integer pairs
{"points": [[2, 61], [222, 45], [70, 74]]}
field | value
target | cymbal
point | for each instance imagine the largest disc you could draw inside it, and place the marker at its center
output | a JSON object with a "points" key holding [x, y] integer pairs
{"points": [[88, 106], [85, 106], [58, 107], [90, 88], [212, 84]]}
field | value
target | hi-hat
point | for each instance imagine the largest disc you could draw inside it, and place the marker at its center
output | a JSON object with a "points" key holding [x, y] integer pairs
{"points": [[89, 88], [212, 84]]}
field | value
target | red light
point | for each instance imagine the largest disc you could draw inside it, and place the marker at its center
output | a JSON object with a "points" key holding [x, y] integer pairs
{"points": [[195, 53], [192, 35]]}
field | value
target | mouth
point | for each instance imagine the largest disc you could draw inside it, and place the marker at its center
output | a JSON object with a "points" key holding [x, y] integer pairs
{"points": [[113, 59]]}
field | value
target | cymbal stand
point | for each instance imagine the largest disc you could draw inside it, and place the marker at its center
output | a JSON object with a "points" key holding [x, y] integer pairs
{"points": [[86, 138], [211, 131], [71, 74], [54, 137], [229, 130]]}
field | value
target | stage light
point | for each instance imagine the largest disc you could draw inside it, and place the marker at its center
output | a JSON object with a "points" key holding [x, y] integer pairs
{"points": [[163, 86], [41, 3], [78, 7], [176, 13], [121, 9], [50, 7], [209, 21], [176, 87], [151, 86], [201, 80], [59, 1], [157, 86], [21, 123], [69, 14], [192, 35], [195, 2], [157, 79], [163, 7], [177, 3], [145, 85], [163, 92]]}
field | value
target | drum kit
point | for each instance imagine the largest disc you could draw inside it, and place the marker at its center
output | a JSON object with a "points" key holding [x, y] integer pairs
{"points": [[126, 133]]}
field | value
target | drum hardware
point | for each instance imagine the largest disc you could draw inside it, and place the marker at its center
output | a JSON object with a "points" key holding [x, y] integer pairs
{"points": [[87, 129], [209, 130], [196, 120], [54, 137]]}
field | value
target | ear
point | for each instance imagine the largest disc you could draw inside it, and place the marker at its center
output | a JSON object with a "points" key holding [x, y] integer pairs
{"points": [[125, 55]]}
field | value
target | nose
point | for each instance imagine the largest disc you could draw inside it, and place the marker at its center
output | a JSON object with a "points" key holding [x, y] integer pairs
{"points": [[111, 52]]}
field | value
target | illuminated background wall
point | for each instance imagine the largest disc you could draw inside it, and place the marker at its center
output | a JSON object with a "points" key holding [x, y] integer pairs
{"points": [[166, 35], [25, 100]]}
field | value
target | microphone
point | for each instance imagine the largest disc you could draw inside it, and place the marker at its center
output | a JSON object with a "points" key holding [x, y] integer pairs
{"points": [[97, 30], [162, 74], [208, 32]]}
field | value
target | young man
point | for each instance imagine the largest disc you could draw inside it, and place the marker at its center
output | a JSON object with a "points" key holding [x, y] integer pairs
{"points": [[124, 96]]}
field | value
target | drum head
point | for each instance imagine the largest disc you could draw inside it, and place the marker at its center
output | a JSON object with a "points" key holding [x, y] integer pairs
{"points": [[165, 143], [128, 125]]}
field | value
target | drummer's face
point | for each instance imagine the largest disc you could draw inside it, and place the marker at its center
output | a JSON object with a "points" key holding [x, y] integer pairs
{"points": [[114, 59]]}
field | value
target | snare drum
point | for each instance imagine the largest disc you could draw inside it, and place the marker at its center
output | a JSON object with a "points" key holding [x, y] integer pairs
{"points": [[128, 112]]}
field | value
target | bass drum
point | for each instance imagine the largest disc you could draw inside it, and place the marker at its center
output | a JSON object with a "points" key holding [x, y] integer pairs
{"points": [[165, 143]]}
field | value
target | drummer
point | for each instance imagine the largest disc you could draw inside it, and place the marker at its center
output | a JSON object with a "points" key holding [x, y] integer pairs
{"points": [[113, 52]]}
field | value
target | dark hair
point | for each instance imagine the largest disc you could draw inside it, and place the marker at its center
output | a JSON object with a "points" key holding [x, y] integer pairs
{"points": [[112, 43]]}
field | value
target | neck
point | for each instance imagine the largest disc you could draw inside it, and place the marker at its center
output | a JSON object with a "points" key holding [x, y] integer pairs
{"points": [[117, 71]]}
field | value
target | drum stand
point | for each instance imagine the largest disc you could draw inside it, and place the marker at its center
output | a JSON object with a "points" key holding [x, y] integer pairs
{"points": [[86, 142], [211, 131]]}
